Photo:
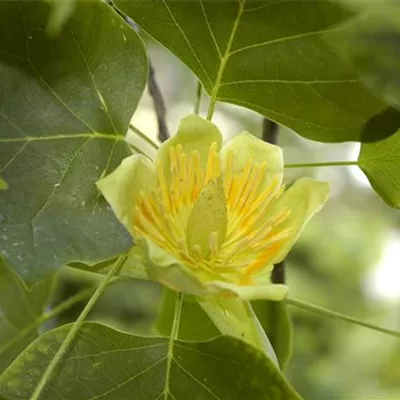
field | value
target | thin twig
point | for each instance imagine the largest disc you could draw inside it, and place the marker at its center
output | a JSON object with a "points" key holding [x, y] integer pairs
{"points": [[159, 105], [143, 136], [335, 315], [198, 98], [127, 19], [270, 132], [154, 89]]}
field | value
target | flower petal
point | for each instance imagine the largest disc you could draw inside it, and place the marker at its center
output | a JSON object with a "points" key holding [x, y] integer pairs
{"points": [[123, 186], [305, 198], [245, 147], [270, 291], [194, 134]]}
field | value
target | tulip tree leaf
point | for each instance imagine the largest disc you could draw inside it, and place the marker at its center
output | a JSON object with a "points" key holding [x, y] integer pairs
{"points": [[20, 311], [108, 364], [371, 43], [271, 57], [380, 162], [276, 322], [66, 105]]}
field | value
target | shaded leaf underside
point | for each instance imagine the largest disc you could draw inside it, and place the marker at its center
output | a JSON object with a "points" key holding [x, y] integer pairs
{"points": [[67, 104]]}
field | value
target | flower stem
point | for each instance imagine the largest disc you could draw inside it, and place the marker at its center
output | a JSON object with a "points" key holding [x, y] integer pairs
{"points": [[322, 164], [143, 136], [159, 105], [335, 315], [177, 316], [75, 329]]}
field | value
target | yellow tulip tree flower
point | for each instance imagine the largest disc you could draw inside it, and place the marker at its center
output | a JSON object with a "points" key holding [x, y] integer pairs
{"points": [[212, 219]]}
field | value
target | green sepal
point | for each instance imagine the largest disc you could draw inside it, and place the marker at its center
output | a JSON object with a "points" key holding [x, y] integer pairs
{"points": [[235, 317]]}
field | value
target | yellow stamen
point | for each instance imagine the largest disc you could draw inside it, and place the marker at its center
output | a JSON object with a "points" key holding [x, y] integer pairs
{"points": [[241, 184], [228, 173], [252, 239], [262, 260], [164, 187]]}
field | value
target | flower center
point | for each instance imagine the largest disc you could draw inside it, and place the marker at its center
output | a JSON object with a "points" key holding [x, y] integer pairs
{"points": [[252, 237]]}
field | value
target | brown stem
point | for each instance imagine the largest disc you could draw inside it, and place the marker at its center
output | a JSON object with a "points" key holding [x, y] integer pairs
{"points": [[159, 105], [270, 131], [154, 89]]}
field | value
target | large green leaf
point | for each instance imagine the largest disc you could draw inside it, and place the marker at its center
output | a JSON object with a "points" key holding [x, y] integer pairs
{"points": [[380, 161], [371, 43], [107, 364], [275, 320], [271, 57], [66, 104], [20, 310]]}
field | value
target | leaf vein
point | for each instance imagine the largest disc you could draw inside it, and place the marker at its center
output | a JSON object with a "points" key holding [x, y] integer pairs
{"points": [[248, 104], [17, 153], [130, 379], [330, 102], [224, 60], [272, 3], [181, 345], [104, 353], [98, 92], [201, 384], [57, 137], [60, 100], [210, 29], [187, 40], [295, 82], [280, 40], [55, 188]]}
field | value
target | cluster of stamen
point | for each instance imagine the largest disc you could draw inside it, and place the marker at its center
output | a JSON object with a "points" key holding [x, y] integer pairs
{"points": [[251, 240]]}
